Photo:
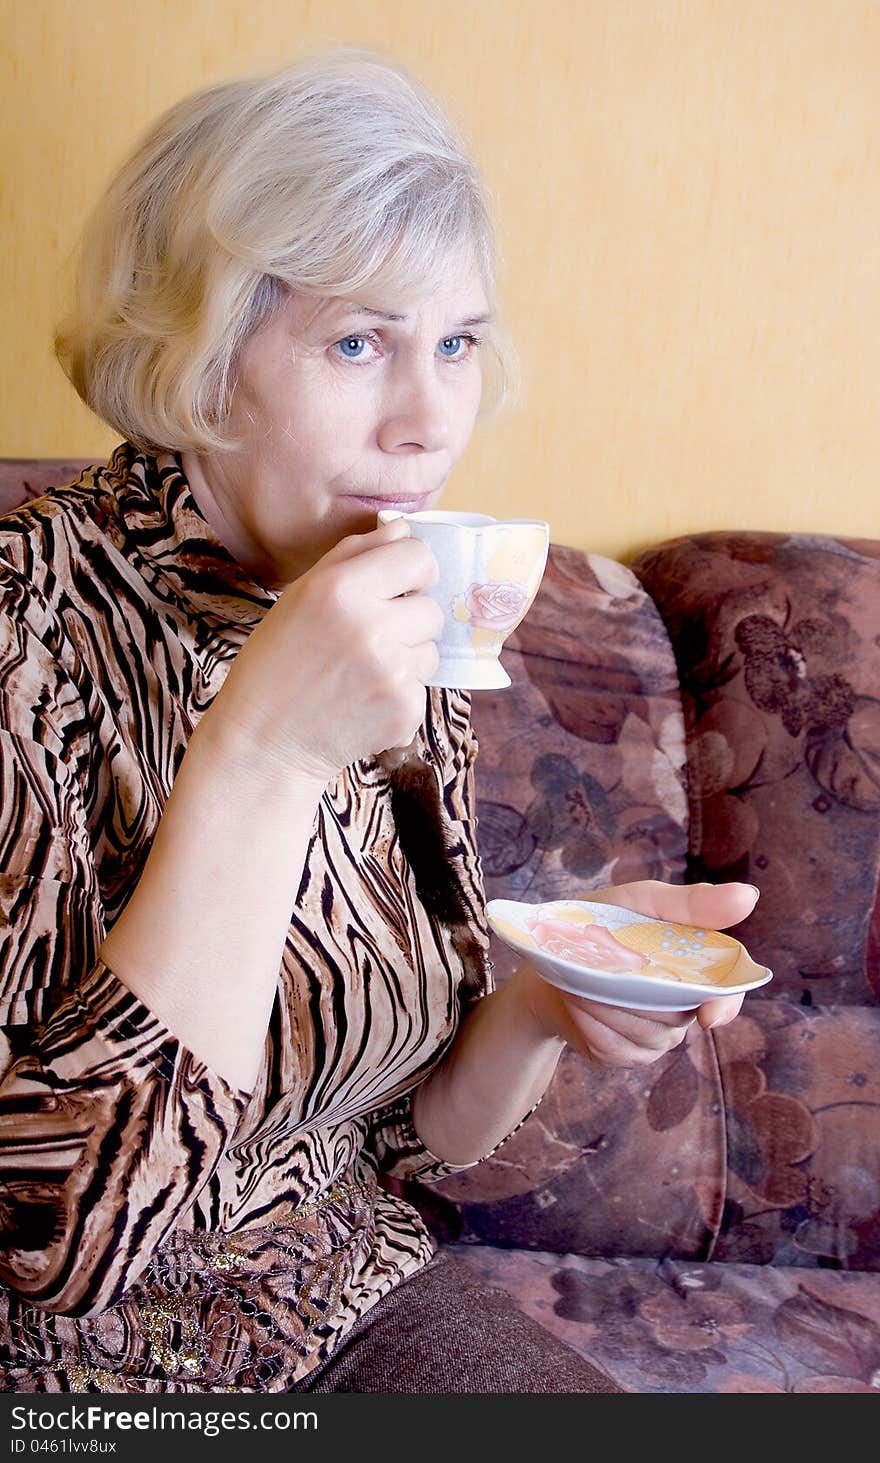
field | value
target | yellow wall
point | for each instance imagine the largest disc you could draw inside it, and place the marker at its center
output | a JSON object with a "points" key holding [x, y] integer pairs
{"points": [[688, 198]]}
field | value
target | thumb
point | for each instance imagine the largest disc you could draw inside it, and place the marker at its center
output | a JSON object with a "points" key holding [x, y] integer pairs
{"points": [[714, 906]]}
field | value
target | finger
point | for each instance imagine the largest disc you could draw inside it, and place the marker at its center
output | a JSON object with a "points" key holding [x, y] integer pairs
{"points": [[640, 1047], [425, 660], [656, 1030], [713, 906], [414, 620], [359, 543], [392, 570], [719, 1012], [635, 1020]]}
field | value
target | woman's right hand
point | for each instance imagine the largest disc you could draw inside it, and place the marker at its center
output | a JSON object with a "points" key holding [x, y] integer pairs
{"points": [[336, 669]]}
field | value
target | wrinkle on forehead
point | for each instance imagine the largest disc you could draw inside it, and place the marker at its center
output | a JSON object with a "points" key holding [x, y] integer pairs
{"points": [[464, 299], [307, 309]]}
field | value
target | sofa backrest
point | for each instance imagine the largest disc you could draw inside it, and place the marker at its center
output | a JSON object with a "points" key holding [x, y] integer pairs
{"points": [[27, 477], [755, 1143], [580, 781], [777, 639]]}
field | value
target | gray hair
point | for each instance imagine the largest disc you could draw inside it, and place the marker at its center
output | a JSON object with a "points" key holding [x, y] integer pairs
{"points": [[336, 176]]}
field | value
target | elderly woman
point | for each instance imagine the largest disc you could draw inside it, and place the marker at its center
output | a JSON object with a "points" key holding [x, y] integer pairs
{"points": [[244, 967]]}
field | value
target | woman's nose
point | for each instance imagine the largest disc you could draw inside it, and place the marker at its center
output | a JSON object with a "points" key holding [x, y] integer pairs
{"points": [[417, 417]]}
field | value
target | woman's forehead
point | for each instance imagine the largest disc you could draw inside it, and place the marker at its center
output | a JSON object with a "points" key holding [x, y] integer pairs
{"points": [[475, 313], [466, 300]]}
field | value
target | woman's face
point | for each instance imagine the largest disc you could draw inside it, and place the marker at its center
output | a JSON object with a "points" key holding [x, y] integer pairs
{"points": [[337, 403]]}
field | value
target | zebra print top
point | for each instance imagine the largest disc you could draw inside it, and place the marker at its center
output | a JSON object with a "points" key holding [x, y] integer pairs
{"points": [[161, 1230]]}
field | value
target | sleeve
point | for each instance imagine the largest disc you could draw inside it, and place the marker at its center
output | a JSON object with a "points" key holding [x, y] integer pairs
{"points": [[402, 1154], [400, 1151], [109, 1127]]}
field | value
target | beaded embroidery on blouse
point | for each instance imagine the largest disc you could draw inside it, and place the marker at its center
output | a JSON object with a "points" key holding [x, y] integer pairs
{"points": [[214, 1311]]}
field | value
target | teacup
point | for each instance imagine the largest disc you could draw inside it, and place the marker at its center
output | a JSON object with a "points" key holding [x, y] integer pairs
{"points": [[490, 571]]}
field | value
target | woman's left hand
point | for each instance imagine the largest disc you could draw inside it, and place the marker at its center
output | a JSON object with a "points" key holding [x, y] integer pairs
{"points": [[613, 1036]]}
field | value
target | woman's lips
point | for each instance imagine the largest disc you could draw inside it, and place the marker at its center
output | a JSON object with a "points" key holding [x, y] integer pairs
{"points": [[402, 505]]}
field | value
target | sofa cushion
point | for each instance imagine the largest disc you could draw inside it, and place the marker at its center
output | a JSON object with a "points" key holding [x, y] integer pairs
{"points": [[756, 1142], [801, 1093], [776, 638], [676, 1326], [580, 782], [608, 1164]]}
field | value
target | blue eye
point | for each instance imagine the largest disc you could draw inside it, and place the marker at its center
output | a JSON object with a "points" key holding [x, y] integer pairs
{"points": [[351, 340], [470, 343]]}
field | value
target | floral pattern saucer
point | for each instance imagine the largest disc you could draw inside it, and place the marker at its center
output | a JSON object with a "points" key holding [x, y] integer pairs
{"points": [[621, 958]]}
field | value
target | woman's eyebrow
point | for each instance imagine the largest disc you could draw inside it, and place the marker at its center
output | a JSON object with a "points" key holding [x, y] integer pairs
{"points": [[387, 315]]}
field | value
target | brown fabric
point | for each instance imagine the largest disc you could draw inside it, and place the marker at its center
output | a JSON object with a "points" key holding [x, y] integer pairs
{"points": [[160, 1230], [420, 820], [872, 957], [581, 777], [580, 782], [446, 1330]]}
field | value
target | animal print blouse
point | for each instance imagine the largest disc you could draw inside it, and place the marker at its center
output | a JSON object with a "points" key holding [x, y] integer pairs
{"points": [[160, 1230]]}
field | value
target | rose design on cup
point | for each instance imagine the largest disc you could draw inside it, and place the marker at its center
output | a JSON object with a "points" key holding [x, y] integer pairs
{"points": [[489, 572], [495, 607], [585, 944]]}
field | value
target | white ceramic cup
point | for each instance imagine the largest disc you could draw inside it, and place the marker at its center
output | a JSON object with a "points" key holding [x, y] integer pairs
{"points": [[490, 571]]}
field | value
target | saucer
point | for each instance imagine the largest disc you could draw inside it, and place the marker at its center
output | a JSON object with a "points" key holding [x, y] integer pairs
{"points": [[621, 958]]}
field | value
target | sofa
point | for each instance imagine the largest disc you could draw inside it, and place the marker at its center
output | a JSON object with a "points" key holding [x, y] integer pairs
{"points": [[708, 712]]}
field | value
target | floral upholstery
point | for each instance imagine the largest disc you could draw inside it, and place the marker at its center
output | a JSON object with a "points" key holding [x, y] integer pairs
{"points": [[581, 776], [27, 477], [758, 1145], [662, 1325], [779, 654]]}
